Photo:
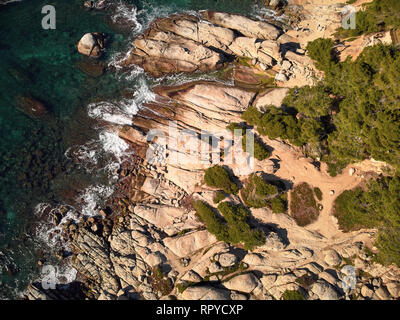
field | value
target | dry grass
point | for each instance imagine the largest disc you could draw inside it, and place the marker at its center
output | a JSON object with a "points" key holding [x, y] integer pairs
{"points": [[303, 206]]}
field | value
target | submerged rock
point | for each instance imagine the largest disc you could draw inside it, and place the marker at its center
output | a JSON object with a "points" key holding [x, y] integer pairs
{"points": [[94, 70], [31, 106]]}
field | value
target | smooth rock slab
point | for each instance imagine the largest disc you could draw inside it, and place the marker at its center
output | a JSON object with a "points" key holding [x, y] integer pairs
{"points": [[246, 26], [332, 258], [324, 290], [272, 97], [227, 260], [243, 283], [205, 293], [185, 245]]}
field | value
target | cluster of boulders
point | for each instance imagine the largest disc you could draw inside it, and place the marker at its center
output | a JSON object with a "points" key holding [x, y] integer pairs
{"points": [[154, 236], [188, 43], [157, 228]]}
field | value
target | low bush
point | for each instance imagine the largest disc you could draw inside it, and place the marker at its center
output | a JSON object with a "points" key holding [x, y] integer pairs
{"points": [[278, 204], [257, 192], [261, 152], [160, 282], [321, 51], [218, 177], [303, 206], [376, 207], [219, 196], [379, 15], [213, 223], [252, 116], [239, 230], [233, 227], [292, 295], [318, 193]]}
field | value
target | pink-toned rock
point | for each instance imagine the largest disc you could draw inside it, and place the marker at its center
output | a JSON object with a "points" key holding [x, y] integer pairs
{"points": [[190, 243]]}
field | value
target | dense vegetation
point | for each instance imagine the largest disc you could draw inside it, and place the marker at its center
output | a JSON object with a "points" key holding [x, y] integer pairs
{"points": [[232, 227], [360, 118], [303, 206], [260, 150], [219, 196], [376, 207], [379, 15], [259, 193], [366, 104], [353, 114], [218, 177]]}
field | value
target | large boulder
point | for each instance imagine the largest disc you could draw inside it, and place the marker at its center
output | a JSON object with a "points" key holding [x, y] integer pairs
{"points": [[332, 258], [190, 27], [227, 259], [168, 218], [91, 44], [266, 52], [246, 26], [324, 290], [271, 97], [188, 244], [244, 283], [160, 53], [209, 97], [205, 293]]}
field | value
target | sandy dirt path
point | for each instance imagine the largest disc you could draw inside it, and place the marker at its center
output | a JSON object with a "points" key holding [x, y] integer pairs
{"points": [[296, 168]]}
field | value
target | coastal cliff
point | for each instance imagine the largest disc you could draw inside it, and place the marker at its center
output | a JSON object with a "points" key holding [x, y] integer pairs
{"points": [[152, 243]]}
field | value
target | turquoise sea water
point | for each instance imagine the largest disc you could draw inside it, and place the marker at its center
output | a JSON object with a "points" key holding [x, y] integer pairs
{"points": [[44, 64]]}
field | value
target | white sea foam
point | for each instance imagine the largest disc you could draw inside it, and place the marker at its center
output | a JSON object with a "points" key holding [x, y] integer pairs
{"points": [[92, 197], [112, 143], [47, 233], [121, 112], [127, 12]]}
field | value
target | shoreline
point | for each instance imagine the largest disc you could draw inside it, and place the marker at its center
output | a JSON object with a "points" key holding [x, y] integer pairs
{"points": [[152, 224]]}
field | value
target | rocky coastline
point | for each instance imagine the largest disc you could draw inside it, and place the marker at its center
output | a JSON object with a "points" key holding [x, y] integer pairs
{"points": [[148, 243]]}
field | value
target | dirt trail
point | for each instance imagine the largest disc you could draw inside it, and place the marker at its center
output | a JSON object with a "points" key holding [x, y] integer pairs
{"points": [[296, 168]]}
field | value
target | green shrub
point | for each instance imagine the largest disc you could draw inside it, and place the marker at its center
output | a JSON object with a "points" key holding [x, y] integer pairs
{"points": [[233, 228], [278, 205], [320, 50], [257, 192], [219, 196], [293, 295], [310, 101], [318, 193], [378, 15], [376, 207], [252, 116], [277, 123], [239, 230], [218, 177], [260, 150], [213, 223]]}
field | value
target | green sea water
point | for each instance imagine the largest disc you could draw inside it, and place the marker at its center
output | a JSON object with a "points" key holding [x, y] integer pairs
{"points": [[44, 64]]}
